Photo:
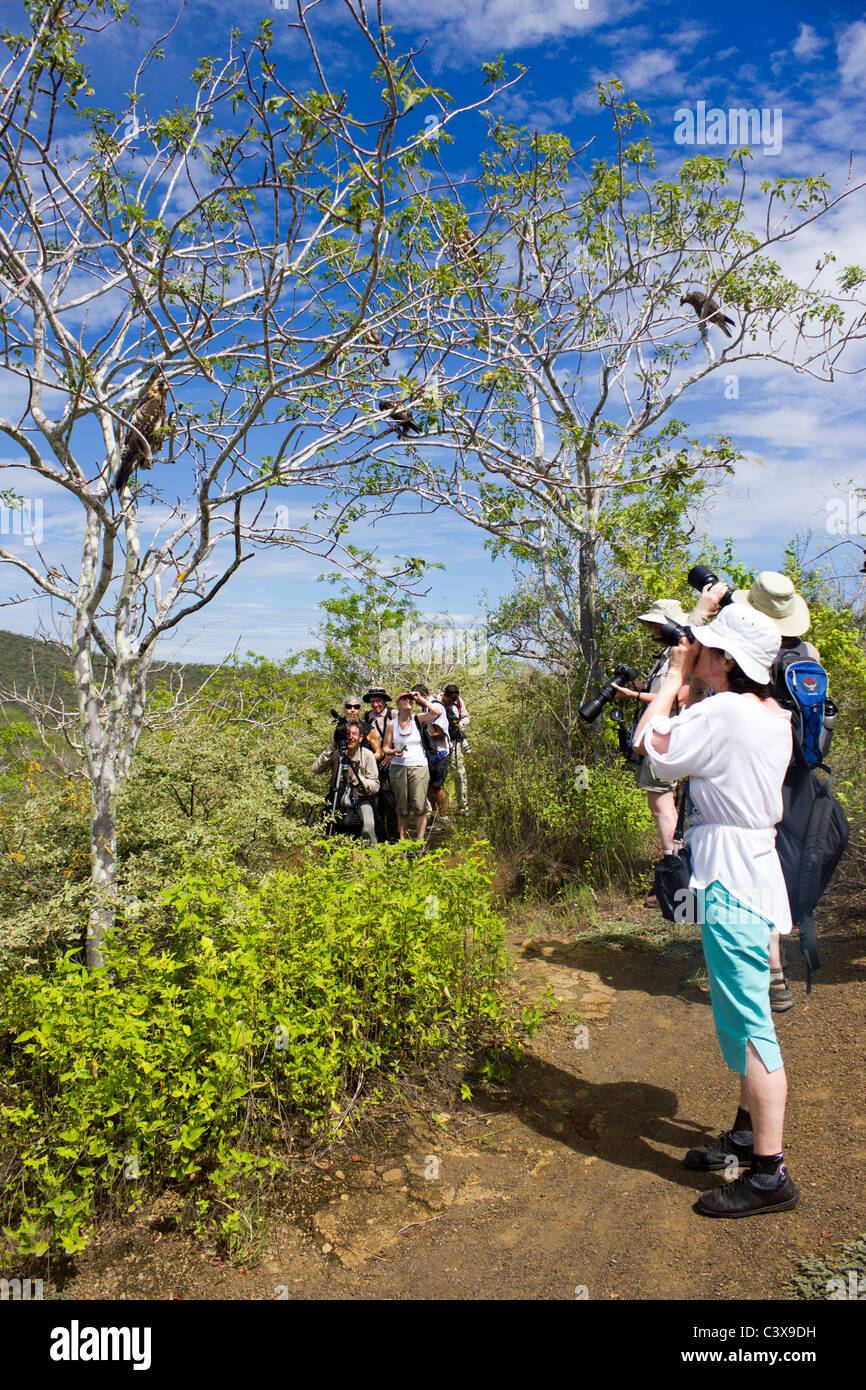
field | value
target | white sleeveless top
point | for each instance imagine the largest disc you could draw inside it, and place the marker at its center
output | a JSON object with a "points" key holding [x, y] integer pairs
{"points": [[408, 747]]}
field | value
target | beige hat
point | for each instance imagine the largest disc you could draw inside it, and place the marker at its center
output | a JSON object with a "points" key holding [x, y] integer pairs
{"points": [[664, 610], [775, 595], [745, 634]]}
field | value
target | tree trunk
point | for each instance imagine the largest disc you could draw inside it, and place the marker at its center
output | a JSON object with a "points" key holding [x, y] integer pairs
{"points": [[587, 579], [103, 876]]}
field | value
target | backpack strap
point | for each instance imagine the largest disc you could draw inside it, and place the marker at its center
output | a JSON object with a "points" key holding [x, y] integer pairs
{"points": [[426, 740], [681, 818], [809, 947]]}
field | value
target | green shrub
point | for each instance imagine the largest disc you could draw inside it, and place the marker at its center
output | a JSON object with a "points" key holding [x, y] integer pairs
{"points": [[202, 1064], [527, 796]]}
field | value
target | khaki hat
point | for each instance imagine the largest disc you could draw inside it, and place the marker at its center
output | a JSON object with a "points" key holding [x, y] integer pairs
{"points": [[663, 611], [775, 595], [747, 635]]}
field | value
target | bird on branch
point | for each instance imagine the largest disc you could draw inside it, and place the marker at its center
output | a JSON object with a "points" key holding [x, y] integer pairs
{"points": [[372, 341], [145, 433], [464, 247], [708, 311], [402, 418]]}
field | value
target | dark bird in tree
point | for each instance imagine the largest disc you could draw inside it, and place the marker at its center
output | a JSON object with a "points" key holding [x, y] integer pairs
{"points": [[708, 311], [402, 418], [147, 420]]}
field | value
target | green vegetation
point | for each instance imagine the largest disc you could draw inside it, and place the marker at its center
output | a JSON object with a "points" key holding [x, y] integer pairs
{"points": [[239, 1025], [266, 986]]}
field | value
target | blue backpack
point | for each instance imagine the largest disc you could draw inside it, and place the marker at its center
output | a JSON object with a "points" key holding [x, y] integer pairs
{"points": [[801, 687], [813, 832]]}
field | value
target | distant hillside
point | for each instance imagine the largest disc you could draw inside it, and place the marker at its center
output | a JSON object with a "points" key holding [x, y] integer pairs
{"points": [[21, 657]]}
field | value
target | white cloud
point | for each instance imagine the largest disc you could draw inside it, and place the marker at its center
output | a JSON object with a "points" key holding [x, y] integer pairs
{"points": [[649, 70], [851, 48], [486, 27], [808, 42]]}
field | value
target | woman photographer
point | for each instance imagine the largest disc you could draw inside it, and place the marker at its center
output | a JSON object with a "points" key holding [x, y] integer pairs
{"points": [[735, 749]]}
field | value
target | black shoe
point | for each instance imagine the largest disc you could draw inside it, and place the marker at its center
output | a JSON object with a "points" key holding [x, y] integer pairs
{"points": [[781, 999], [742, 1198], [718, 1154]]}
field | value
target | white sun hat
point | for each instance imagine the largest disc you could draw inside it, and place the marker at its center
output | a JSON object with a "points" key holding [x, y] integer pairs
{"points": [[750, 637], [664, 610], [775, 595]]}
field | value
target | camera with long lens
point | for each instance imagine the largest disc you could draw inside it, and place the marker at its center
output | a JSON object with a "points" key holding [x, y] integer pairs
{"points": [[622, 675], [341, 731], [699, 576]]}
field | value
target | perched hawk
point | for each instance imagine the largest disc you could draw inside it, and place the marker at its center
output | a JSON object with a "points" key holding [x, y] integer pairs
{"points": [[148, 418], [708, 311]]}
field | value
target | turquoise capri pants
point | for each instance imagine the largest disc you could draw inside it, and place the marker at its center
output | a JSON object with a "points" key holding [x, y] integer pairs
{"points": [[736, 947]]}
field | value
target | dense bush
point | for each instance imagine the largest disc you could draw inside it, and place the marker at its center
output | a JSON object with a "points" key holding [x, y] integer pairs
{"points": [[527, 794], [203, 1063]]}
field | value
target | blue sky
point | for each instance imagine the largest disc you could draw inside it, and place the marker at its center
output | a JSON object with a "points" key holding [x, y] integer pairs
{"points": [[804, 65]]}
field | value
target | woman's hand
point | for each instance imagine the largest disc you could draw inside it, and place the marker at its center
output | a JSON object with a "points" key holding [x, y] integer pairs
{"points": [[622, 690]]}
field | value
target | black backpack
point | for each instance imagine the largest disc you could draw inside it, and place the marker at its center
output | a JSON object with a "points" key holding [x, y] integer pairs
{"points": [[810, 840], [455, 733]]}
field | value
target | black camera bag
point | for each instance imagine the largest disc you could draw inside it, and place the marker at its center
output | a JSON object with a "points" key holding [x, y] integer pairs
{"points": [[672, 874]]}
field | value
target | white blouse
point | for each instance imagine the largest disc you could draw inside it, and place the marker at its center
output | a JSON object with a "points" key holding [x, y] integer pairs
{"points": [[735, 753], [408, 746]]}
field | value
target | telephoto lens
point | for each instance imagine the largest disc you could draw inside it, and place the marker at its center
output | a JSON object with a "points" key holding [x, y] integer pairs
{"points": [[622, 675], [699, 576]]}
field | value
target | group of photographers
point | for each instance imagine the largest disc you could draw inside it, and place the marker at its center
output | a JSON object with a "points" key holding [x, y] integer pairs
{"points": [[390, 764]]}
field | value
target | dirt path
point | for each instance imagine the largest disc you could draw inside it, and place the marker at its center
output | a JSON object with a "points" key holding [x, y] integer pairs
{"points": [[569, 1176]]}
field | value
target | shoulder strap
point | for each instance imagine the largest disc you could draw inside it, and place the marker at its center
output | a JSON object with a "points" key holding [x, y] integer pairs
{"points": [[681, 818]]}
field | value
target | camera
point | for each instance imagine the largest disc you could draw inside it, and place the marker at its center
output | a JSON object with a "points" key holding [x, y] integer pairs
{"points": [[699, 576], [671, 633], [622, 675], [341, 730]]}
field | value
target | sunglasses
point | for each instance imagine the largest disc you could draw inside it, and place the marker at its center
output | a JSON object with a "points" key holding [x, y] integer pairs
{"points": [[351, 707]]}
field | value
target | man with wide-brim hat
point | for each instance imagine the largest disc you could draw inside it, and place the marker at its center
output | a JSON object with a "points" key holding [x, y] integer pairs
{"points": [[774, 594]]}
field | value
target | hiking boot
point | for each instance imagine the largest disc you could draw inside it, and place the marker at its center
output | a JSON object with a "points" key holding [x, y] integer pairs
{"points": [[718, 1154], [781, 998], [742, 1198]]}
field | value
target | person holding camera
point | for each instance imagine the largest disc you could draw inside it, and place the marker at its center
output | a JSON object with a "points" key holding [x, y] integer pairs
{"points": [[734, 746], [355, 781], [405, 749]]}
